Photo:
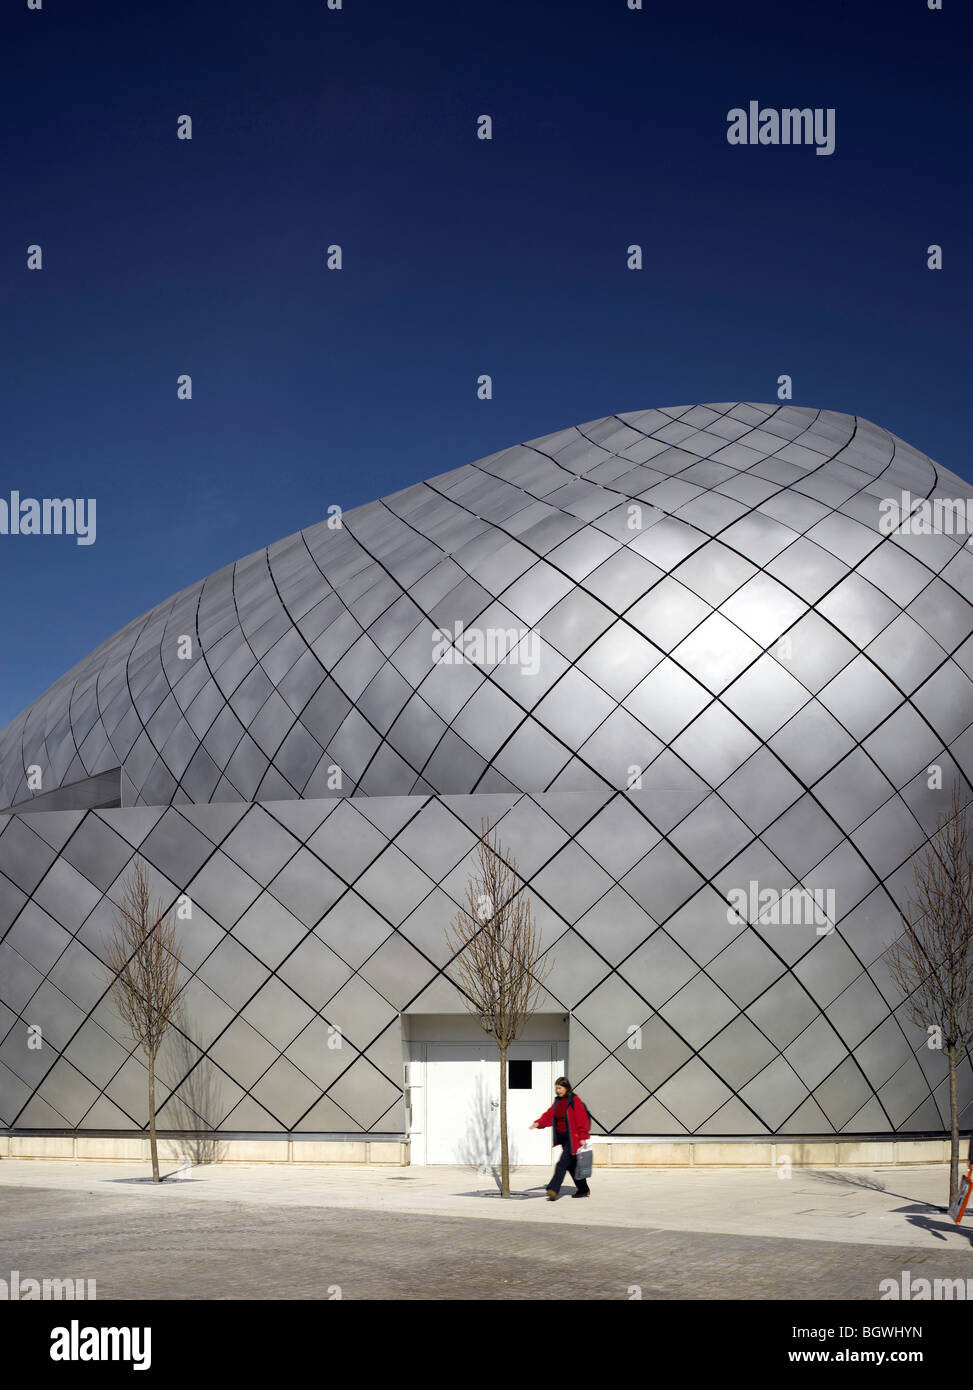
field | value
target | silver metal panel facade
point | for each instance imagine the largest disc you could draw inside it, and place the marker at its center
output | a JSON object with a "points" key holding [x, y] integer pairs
{"points": [[777, 670]]}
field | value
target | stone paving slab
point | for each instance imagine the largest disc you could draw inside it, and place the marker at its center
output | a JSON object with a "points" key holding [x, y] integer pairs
{"points": [[182, 1248], [897, 1206]]}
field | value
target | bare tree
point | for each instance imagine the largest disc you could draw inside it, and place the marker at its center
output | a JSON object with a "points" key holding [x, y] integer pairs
{"points": [[497, 950], [143, 960], [932, 962]]}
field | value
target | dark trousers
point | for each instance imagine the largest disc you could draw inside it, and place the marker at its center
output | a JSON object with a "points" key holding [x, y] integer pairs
{"points": [[566, 1164]]}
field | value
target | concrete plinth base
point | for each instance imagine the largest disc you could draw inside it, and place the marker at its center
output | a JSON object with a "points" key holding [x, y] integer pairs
{"points": [[205, 1149], [635, 1153], [812, 1153]]}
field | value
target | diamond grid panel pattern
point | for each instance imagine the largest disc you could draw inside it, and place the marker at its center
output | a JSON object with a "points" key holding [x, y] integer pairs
{"points": [[713, 701]]}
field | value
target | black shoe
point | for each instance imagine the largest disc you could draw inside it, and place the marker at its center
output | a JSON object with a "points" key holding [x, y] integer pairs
{"points": [[586, 1193]]}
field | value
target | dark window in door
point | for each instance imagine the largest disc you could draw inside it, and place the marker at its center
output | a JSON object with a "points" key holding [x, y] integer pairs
{"points": [[519, 1075]]}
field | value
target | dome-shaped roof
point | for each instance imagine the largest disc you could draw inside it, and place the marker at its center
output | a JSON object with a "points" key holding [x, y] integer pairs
{"points": [[655, 593]]}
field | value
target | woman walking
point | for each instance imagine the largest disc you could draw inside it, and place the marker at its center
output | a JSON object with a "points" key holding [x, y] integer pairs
{"points": [[572, 1129]]}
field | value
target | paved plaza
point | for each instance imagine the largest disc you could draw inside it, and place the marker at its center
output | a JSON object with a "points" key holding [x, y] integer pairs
{"points": [[242, 1231]]}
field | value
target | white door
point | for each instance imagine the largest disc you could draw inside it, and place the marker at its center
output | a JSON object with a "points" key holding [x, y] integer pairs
{"points": [[462, 1099]]}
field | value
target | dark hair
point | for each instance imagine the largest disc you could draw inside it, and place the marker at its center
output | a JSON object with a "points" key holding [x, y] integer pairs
{"points": [[563, 1081]]}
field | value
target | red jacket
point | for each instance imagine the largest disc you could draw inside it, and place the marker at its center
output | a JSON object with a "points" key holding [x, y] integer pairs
{"points": [[579, 1125]]}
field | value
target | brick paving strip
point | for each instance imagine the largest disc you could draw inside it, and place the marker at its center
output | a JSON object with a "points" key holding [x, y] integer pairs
{"points": [[254, 1232]]}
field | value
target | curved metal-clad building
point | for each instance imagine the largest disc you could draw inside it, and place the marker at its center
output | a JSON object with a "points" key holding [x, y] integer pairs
{"points": [[678, 660]]}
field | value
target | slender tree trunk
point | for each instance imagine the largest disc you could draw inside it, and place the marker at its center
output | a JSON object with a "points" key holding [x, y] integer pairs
{"points": [[954, 1126], [152, 1140], [504, 1156]]}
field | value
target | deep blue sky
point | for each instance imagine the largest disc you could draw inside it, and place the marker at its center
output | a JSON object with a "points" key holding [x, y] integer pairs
{"points": [[313, 126]]}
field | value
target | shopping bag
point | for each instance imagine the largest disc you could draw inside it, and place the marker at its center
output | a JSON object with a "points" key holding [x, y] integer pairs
{"points": [[582, 1169]]}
